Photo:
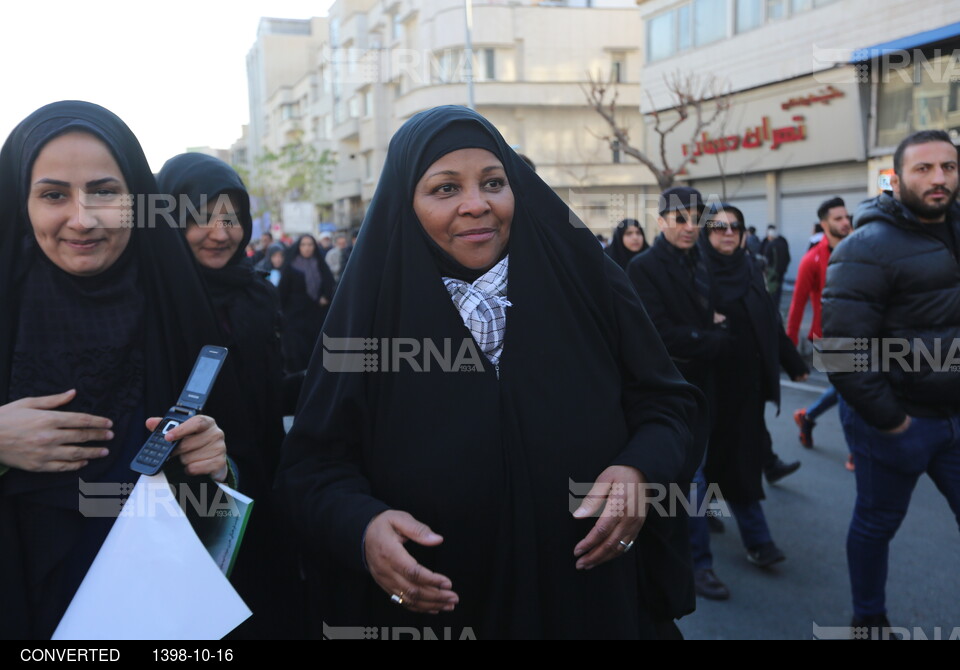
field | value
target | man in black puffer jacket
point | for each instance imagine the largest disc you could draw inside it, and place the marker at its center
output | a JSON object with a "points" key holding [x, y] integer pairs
{"points": [[894, 284]]}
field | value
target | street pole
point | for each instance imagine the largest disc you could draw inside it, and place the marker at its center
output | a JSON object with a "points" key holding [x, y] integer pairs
{"points": [[468, 9]]}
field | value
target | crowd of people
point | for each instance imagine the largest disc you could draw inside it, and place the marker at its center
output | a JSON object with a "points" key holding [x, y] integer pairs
{"points": [[517, 361]]}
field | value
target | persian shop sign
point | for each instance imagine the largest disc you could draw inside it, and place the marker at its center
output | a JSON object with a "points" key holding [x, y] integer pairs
{"points": [[775, 128], [758, 136], [753, 138]]}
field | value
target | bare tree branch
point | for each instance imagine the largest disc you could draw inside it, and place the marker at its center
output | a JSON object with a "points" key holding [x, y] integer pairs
{"points": [[688, 95]]}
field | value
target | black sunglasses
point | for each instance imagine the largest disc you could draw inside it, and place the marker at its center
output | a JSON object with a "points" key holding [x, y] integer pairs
{"points": [[720, 225]]}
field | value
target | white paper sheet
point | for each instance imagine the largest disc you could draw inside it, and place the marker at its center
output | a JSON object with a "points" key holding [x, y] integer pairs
{"points": [[153, 579]]}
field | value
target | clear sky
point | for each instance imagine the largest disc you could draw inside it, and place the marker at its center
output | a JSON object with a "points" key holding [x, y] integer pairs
{"points": [[175, 70]]}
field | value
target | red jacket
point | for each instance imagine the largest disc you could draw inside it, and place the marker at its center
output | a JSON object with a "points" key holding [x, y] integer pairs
{"points": [[811, 278]]}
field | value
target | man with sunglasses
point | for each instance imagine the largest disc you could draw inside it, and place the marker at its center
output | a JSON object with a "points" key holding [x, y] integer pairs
{"points": [[674, 283]]}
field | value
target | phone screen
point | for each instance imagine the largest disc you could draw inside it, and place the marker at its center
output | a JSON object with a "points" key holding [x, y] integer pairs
{"points": [[202, 376]]}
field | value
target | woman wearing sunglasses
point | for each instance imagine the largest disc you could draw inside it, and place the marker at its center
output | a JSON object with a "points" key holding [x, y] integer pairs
{"points": [[748, 376]]}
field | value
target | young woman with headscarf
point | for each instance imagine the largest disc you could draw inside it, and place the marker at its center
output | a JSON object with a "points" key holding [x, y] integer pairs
{"points": [[102, 315], [217, 225], [747, 376], [510, 369], [306, 289], [628, 242]]}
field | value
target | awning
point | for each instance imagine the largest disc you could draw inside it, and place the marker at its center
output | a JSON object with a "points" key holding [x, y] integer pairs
{"points": [[926, 38]]}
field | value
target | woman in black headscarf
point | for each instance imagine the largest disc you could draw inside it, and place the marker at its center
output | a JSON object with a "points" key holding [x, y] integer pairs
{"points": [[628, 242], [306, 288], [247, 306], [509, 368], [97, 295], [217, 228], [747, 376]]}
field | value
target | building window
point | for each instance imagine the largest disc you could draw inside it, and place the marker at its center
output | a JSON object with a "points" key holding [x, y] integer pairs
{"points": [[335, 32], [920, 96], [776, 10], [684, 41], [618, 68], [749, 15], [354, 107], [368, 104], [692, 24], [709, 21], [662, 36], [489, 64], [396, 27], [290, 111]]}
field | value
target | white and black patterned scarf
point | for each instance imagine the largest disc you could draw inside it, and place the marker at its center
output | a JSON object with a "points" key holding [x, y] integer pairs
{"points": [[483, 307]]}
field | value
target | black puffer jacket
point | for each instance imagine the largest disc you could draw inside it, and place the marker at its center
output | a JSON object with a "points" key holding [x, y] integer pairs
{"points": [[892, 280]]}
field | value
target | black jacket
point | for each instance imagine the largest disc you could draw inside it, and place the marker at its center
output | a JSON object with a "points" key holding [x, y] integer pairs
{"points": [[777, 253], [893, 279], [684, 322], [776, 349]]}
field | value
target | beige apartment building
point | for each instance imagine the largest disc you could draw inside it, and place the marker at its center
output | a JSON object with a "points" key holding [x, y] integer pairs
{"points": [[374, 63], [821, 92]]}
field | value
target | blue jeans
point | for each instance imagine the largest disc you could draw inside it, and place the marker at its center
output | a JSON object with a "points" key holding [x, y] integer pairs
{"points": [[698, 529], [888, 467], [750, 521], [824, 402]]}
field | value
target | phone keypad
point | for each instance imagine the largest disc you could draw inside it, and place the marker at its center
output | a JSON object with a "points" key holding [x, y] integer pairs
{"points": [[156, 449]]}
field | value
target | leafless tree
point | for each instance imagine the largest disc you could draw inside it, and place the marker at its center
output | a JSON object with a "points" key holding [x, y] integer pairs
{"points": [[702, 99]]}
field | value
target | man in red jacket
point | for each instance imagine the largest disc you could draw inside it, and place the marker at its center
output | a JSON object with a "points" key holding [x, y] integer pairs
{"points": [[811, 278]]}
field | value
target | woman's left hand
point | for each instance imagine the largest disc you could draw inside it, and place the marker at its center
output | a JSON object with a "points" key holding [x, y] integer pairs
{"points": [[202, 449], [618, 498]]}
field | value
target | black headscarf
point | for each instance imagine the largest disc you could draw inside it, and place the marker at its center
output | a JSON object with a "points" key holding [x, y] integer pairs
{"points": [[487, 462], [152, 317], [317, 275], [731, 274], [202, 179], [247, 306], [617, 251]]}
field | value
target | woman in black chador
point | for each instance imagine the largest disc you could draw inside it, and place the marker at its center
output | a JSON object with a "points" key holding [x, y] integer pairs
{"points": [[627, 243], [306, 288], [496, 366], [217, 229], [102, 314], [747, 376]]}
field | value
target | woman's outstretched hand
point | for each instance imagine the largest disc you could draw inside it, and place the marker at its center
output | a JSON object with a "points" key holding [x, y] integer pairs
{"points": [[409, 584], [617, 498], [35, 437]]}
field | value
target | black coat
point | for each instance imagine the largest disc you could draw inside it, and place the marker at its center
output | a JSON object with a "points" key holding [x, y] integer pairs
{"points": [[747, 376], [485, 455], [777, 253], [248, 310], [891, 279], [302, 315], [48, 545], [683, 319]]}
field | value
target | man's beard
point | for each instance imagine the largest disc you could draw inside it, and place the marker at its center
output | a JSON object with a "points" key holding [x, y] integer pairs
{"points": [[916, 204], [837, 232]]}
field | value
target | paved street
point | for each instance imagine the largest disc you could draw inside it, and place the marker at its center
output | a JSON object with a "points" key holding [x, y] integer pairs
{"points": [[809, 513]]}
